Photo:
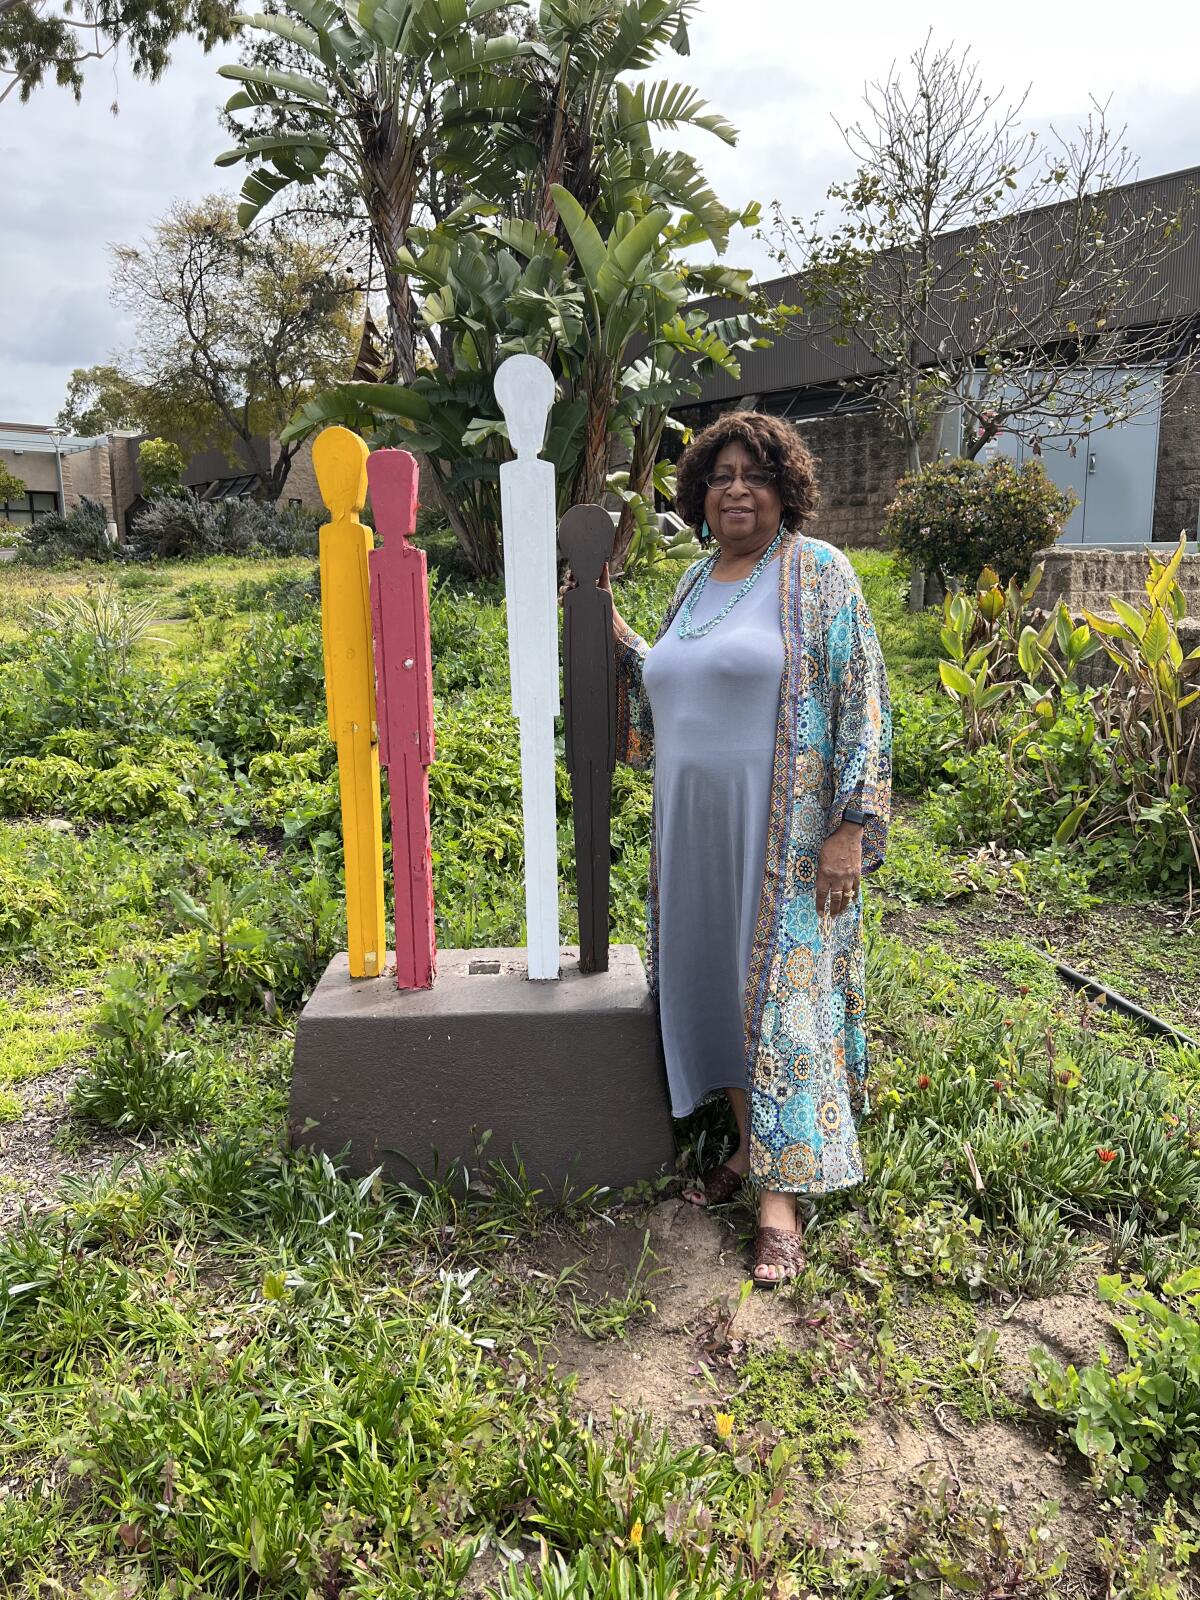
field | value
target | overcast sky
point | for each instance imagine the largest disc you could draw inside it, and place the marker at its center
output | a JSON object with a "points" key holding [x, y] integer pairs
{"points": [[75, 178]]}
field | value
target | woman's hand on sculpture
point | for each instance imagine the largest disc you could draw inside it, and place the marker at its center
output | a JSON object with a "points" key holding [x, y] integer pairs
{"points": [[605, 583], [839, 870], [569, 582]]}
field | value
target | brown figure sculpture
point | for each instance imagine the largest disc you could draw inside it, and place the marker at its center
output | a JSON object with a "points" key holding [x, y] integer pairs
{"points": [[585, 537]]}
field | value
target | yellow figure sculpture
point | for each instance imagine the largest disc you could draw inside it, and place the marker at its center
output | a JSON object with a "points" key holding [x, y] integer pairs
{"points": [[340, 463]]}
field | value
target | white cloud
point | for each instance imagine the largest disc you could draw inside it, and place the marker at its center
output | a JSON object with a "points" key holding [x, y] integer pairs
{"points": [[75, 178]]}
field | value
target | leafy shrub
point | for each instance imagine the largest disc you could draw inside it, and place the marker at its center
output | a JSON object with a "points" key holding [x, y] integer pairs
{"points": [[273, 679], [184, 526], [160, 466], [1115, 768], [169, 777], [80, 534], [142, 1075], [24, 902], [291, 598], [957, 517], [1146, 1418], [922, 733]]}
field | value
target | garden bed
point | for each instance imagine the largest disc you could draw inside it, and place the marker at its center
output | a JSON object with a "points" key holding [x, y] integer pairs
{"points": [[225, 1369]]}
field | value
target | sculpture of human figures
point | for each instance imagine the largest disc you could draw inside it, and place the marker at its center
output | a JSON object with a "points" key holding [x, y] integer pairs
{"points": [[340, 463], [404, 687], [585, 537], [525, 391]]}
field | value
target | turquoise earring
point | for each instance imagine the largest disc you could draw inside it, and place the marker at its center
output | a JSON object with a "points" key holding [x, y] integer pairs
{"points": [[705, 532]]}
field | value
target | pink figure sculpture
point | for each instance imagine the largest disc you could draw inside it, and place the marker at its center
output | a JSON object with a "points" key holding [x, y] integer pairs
{"points": [[404, 694]]}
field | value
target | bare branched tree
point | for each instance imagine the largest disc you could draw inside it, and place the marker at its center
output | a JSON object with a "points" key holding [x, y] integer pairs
{"points": [[1021, 279], [239, 328]]}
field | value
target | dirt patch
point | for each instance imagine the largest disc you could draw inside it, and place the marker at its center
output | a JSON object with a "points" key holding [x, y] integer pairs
{"points": [[33, 1161], [1002, 1464], [1149, 953], [1074, 1328], [660, 1367]]}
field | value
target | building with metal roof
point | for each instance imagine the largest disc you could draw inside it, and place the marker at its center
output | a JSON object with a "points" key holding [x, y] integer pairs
{"points": [[1133, 480]]}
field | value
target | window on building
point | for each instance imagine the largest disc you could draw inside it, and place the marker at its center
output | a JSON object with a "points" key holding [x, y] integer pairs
{"points": [[28, 508], [239, 488]]}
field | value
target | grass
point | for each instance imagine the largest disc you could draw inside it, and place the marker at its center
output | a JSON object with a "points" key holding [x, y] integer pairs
{"points": [[232, 1369], [41, 1028]]}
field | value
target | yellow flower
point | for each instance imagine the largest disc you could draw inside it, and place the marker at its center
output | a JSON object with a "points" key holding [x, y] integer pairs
{"points": [[724, 1424], [635, 1533]]}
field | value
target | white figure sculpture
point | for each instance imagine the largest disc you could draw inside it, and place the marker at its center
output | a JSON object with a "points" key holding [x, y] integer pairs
{"points": [[525, 391]]}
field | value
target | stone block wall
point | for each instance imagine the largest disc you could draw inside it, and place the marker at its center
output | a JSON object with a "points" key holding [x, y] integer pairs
{"points": [[122, 464], [1177, 491], [1084, 578], [301, 479], [858, 462], [86, 475]]}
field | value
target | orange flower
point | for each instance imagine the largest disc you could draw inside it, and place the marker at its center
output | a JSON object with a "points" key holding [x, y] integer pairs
{"points": [[924, 1081], [1107, 1155]]}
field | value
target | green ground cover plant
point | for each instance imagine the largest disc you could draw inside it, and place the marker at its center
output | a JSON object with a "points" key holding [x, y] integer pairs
{"points": [[1140, 1423], [227, 1368]]}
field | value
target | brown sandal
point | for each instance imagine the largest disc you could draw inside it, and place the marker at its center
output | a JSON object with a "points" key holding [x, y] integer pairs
{"points": [[719, 1185], [782, 1249]]}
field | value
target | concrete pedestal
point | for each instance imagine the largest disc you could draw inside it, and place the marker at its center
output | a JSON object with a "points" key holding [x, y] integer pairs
{"points": [[569, 1072]]}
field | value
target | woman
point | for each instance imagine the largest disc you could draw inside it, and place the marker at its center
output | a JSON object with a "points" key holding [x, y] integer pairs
{"points": [[764, 704]]}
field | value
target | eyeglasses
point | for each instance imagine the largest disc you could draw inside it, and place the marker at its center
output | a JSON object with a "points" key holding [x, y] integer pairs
{"points": [[756, 478]]}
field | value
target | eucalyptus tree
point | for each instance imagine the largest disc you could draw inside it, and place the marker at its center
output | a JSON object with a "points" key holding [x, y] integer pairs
{"points": [[366, 108], [57, 39]]}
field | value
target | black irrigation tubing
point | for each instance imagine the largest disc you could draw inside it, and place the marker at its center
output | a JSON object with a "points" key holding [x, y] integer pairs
{"points": [[1110, 997]]}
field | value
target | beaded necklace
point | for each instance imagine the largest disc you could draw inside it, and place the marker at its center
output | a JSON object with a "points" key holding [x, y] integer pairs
{"points": [[685, 629]]}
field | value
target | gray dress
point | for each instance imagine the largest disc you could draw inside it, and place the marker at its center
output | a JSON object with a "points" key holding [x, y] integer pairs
{"points": [[715, 704]]}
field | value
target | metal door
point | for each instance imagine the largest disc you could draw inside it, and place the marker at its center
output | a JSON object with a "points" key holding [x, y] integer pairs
{"points": [[1122, 463], [1110, 470]]}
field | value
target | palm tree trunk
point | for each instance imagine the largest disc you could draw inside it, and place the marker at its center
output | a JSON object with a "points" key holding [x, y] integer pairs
{"points": [[646, 440], [592, 476]]}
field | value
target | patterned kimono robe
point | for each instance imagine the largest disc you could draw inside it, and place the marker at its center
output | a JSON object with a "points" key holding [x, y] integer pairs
{"points": [[804, 1003]]}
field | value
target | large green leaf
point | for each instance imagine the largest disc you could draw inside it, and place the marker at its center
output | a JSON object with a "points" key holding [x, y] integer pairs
{"points": [[1029, 652], [287, 145], [1133, 620], [287, 83], [339, 42], [627, 254], [293, 32], [1156, 638], [583, 234], [1069, 826], [251, 97], [671, 105], [955, 680], [353, 404], [472, 56], [260, 188]]}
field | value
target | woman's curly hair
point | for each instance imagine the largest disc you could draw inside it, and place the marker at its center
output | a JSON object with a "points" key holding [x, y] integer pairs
{"points": [[771, 441]]}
